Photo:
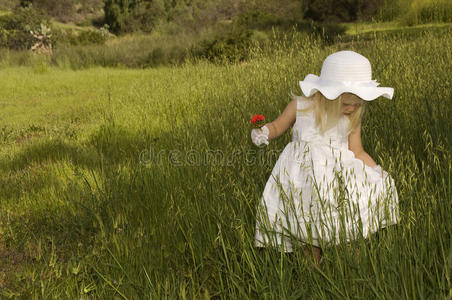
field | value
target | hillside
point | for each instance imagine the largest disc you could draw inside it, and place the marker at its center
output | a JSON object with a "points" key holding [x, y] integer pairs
{"points": [[125, 16], [68, 11]]}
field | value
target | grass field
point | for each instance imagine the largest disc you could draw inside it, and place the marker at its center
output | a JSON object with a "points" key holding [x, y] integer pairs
{"points": [[365, 27], [106, 191]]}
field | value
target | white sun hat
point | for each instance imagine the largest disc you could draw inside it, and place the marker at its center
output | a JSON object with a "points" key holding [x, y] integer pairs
{"points": [[345, 72]]}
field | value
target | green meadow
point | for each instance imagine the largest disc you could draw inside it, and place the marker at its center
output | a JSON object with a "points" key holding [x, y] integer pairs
{"points": [[144, 183]]}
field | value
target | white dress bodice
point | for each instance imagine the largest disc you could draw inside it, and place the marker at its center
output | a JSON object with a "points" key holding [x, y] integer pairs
{"points": [[306, 130]]}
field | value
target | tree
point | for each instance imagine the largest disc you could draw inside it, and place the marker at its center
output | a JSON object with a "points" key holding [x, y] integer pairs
{"points": [[147, 14], [116, 13], [339, 10], [132, 15], [25, 3]]}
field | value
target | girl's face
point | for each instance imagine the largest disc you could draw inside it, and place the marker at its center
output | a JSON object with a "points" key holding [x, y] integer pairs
{"points": [[350, 103]]}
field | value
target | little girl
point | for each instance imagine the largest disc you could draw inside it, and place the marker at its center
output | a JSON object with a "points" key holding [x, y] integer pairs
{"points": [[325, 188]]}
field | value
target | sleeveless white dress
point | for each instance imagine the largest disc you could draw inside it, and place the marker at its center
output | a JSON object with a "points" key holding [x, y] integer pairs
{"points": [[318, 193]]}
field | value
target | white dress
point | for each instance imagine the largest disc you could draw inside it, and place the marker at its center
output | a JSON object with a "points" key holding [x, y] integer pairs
{"points": [[320, 194]]}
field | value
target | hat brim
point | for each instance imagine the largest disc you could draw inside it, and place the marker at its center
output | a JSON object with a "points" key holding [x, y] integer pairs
{"points": [[331, 90]]}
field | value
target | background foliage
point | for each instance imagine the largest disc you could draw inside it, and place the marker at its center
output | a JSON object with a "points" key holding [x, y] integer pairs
{"points": [[15, 27], [132, 15], [218, 30]]}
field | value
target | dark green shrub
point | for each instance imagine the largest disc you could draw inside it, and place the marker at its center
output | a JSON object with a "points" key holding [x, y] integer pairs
{"points": [[157, 57], [61, 36], [177, 55], [87, 37], [84, 37], [368, 10], [25, 3], [258, 19], [133, 15], [233, 46], [15, 27], [116, 14], [146, 15], [339, 11]]}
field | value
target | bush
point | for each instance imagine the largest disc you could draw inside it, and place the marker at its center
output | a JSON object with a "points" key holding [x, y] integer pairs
{"points": [[61, 36], [157, 57], [116, 11], [258, 19], [15, 27], [87, 37], [84, 37], [233, 46], [340, 11], [133, 15]]}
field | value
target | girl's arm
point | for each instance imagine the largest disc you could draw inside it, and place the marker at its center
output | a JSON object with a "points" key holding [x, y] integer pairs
{"points": [[355, 145], [284, 121]]}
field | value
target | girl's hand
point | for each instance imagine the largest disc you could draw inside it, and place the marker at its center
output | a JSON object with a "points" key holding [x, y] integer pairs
{"points": [[259, 136]]}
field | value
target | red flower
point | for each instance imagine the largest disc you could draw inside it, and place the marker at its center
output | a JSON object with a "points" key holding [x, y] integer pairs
{"points": [[258, 120]]}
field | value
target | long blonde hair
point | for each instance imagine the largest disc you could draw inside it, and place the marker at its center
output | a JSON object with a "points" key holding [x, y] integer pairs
{"points": [[328, 112]]}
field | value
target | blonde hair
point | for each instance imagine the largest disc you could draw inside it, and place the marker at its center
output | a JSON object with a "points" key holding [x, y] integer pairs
{"points": [[328, 112]]}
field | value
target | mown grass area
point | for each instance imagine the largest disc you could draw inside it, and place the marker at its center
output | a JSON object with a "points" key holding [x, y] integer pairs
{"points": [[71, 26], [108, 189]]}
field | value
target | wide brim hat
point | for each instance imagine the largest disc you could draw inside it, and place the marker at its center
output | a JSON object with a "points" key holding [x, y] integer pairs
{"points": [[345, 72]]}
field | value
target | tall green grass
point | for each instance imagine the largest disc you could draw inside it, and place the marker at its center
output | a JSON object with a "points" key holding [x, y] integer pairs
{"points": [[105, 191], [413, 12]]}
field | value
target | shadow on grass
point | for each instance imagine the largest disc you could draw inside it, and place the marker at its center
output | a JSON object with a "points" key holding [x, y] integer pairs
{"points": [[91, 175], [110, 144], [56, 175]]}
